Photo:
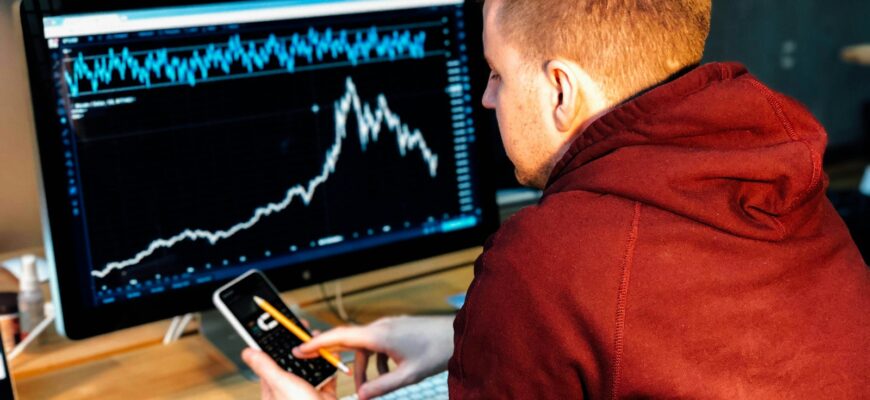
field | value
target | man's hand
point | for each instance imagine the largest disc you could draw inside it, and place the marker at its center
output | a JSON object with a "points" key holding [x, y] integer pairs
{"points": [[277, 384], [420, 347]]}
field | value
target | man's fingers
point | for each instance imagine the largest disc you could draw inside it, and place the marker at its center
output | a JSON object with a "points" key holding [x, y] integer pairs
{"points": [[280, 384], [266, 391], [263, 366], [331, 387], [343, 337], [384, 384], [360, 364]]}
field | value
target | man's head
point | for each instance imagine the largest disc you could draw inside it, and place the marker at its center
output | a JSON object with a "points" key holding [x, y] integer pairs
{"points": [[557, 64]]}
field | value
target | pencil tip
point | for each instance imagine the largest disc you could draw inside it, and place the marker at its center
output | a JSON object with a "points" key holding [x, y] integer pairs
{"points": [[257, 299]]}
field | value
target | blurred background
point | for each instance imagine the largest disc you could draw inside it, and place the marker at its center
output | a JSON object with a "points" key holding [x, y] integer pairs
{"points": [[795, 46]]}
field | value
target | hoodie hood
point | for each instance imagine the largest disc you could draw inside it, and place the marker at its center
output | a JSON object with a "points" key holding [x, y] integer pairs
{"points": [[714, 145]]}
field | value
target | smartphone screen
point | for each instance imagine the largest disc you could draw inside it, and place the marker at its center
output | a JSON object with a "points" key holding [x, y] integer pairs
{"points": [[272, 338]]}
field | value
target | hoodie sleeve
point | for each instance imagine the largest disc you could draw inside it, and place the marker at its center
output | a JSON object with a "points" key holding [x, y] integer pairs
{"points": [[541, 313]]}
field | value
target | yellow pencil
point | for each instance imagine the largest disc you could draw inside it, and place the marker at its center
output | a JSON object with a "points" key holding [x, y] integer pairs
{"points": [[299, 332]]}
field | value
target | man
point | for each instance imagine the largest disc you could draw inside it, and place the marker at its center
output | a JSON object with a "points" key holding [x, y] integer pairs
{"points": [[684, 246]]}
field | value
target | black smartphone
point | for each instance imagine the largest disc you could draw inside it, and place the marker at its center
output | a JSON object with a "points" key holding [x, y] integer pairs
{"points": [[260, 331]]}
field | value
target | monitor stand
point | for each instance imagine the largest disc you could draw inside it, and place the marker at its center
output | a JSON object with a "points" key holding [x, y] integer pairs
{"points": [[218, 331], [215, 328]]}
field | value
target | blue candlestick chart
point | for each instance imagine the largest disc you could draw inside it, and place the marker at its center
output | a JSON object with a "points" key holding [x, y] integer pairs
{"points": [[153, 68], [370, 120]]}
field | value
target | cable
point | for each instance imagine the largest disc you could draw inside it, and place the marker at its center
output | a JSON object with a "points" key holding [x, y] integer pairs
{"points": [[182, 326], [176, 328], [339, 300], [170, 332], [339, 313], [49, 318]]}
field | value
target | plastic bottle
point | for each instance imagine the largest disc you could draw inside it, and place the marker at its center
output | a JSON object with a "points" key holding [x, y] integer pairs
{"points": [[31, 303]]}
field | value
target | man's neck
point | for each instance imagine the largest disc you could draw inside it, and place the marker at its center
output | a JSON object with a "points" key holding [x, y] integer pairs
{"points": [[669, 79]]}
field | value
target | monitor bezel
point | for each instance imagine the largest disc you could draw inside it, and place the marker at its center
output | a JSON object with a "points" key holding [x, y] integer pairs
{"points": [[78, 321]]}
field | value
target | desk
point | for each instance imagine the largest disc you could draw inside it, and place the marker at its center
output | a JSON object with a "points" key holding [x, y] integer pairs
{"points": [[133, 364]]}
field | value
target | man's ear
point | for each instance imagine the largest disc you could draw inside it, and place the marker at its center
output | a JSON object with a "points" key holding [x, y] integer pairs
{"points": [[576, 97]]}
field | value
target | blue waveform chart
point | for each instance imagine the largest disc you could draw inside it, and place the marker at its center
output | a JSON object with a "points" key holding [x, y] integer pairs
{"points": [[127, 70], [366, 124]]}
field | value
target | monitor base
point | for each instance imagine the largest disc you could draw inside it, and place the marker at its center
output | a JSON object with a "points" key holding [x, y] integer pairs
{"points": [[214, 327]]}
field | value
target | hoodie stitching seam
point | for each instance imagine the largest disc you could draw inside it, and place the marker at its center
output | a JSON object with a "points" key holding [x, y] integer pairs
{"points": [[723, 72], [815, 160], [622, 301]]}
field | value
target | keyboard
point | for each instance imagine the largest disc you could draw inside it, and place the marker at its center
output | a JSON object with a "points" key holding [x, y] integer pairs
{"points": [[431, 388]]}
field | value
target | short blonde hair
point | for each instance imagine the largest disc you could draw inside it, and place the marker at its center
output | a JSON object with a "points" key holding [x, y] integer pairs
{"points": [[625, 45]]}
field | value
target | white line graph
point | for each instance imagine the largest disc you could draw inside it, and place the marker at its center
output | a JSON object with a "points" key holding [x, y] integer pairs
{"points": [[369, 121]]}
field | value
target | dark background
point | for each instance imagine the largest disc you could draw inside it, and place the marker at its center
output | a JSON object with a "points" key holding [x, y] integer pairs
{"points": [[794, 46]]}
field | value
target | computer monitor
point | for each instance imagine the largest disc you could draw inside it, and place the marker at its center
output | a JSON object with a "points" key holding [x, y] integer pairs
{"points": [[181, 145]]}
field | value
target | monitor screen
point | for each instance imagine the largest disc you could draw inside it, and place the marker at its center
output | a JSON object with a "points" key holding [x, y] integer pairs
{"points": [[196, 142]]}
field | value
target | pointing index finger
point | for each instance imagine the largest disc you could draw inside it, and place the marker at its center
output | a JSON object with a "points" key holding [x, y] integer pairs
{"points": [[341, 337]]}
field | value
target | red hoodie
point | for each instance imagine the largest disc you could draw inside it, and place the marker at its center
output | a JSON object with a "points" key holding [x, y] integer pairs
{"points": [[684, 248]]}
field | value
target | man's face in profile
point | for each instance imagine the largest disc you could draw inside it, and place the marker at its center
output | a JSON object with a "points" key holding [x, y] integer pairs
{"points": [[514, 93]]}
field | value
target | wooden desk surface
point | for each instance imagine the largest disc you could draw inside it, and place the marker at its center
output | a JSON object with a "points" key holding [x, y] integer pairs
{"points": [[133, 364]]}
